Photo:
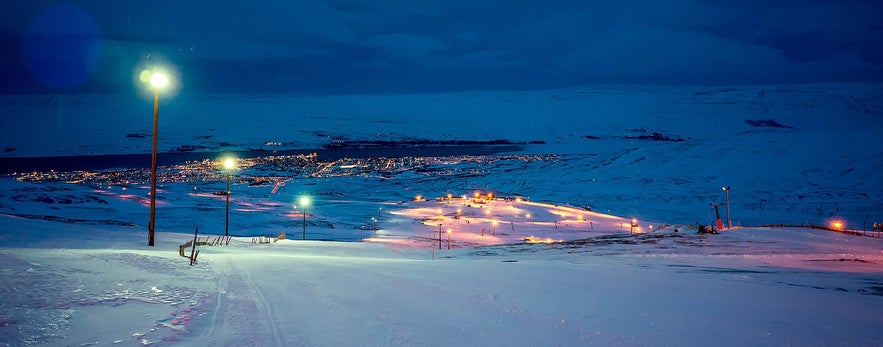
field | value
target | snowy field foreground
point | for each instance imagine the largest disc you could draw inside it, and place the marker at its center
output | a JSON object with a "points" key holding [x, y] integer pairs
{"points": [[77, 284]]}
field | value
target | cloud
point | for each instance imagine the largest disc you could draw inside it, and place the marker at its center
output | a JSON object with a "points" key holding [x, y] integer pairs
{"points": [[802, 31], [632, 50], [462, 44], [407, 45]]}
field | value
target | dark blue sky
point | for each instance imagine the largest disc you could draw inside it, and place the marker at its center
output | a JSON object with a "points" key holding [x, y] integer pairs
{"points": [[348, 46]]}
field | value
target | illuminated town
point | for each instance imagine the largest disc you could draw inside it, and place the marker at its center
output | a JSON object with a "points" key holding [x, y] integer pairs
{"points": [[264, 169]]}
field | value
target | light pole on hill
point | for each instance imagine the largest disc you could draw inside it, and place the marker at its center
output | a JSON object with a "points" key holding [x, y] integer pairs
{"points": [[157, 80], [304, 201], [727, 191], [229, 164]]}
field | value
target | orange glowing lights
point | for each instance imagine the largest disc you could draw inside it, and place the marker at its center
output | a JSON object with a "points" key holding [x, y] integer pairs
{"points": [[534, 239], [838, 225]]}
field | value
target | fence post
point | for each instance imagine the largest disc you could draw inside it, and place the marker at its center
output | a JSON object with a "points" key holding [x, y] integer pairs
{"points": [[193, 250]]}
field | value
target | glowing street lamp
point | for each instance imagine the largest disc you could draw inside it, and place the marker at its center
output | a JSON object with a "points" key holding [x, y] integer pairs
{"points": [[837, 225], [727, 191], [375, 221], [495, 227], [304, 202], [449, 239], [157, 80], [229, 164]]}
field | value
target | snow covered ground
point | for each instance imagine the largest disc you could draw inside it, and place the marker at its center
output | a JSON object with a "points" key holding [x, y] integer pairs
{"points": [[76, 269], [75, 284]]}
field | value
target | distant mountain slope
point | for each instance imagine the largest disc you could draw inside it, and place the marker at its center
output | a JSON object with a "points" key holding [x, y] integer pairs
{"points": [[807, 152]]}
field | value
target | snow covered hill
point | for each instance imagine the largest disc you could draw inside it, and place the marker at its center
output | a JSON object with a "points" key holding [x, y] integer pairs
{"points": [[794, 154]]}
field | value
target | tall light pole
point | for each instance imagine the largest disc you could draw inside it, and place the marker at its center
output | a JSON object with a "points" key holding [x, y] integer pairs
{"points": [[229, 164], [157, 80], [439, 235], [304, 201], [727, 191]]}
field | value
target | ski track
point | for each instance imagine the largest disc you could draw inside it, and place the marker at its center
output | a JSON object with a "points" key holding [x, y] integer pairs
{"points": [[267, 312], [217, 309]]}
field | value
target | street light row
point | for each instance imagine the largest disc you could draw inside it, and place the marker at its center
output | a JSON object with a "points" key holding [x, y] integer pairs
{"points": [[159, 79]]}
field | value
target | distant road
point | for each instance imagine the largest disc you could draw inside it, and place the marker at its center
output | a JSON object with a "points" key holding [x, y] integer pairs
{"points": [[142, 160]]}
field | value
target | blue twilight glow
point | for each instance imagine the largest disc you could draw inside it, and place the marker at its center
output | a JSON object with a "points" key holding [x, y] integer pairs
{"points": [[345, 46]]}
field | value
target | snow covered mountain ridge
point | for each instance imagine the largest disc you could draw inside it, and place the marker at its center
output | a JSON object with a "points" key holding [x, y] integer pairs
{"points": [[810, 152]]}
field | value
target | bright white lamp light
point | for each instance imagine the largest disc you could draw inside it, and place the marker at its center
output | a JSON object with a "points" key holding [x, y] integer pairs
{"points": [[229, 163], [159, 79]]}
